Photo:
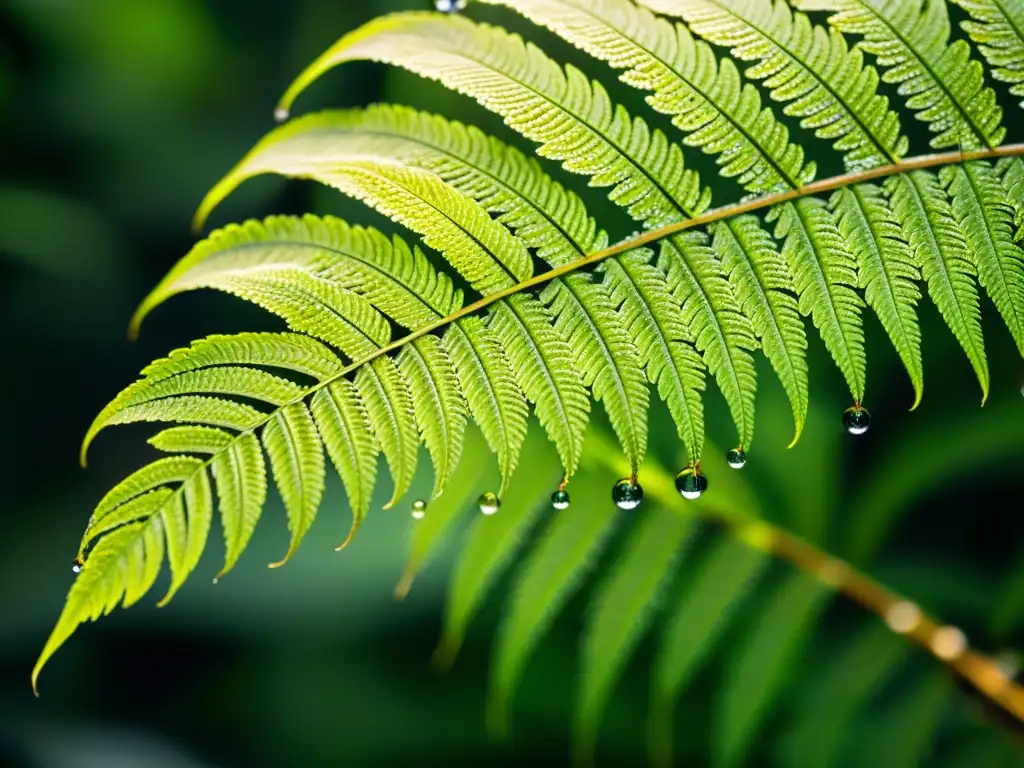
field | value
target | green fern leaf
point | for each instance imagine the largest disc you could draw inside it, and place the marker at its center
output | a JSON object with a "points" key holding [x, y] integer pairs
{"points": [[345, 429], [986, 219], [492, 541], [199, 507], [812, 71], [764, 290], [438, 405], [825, 275], [703, 609], [651, 316], [887, 269], [545, 372], [190, 439], [152, 476], [389, 411], [1012, 172], [191, 409], [942, 84], [494, 398], [762, 664], [998, 31], [621, 610], [297, 461], [706, 98], [241, 480], [563, 553], [571, 118], [920, 206], [721, 332]]}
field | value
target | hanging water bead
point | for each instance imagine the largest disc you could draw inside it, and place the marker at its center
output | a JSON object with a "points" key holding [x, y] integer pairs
{"points": [[627, 494], [419, 509], [736, 458], [77, 565], [560, 499], [691, 483], [856, 419], [450, 6], [489, 503]]}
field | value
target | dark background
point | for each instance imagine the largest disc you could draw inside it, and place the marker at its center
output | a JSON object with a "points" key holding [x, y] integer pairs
{"points": [[115, 117]]}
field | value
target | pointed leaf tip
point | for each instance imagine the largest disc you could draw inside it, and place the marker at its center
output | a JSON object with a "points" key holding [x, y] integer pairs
{"points": [[348, 539]]}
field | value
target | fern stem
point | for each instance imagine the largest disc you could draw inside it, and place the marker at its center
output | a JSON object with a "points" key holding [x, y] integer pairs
{"points": [[945, 642]]}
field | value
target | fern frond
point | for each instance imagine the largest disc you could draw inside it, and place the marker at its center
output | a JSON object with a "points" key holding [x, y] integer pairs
{"points": [[561, 556], [241, 479], [986, 219], [812, 71], [190, 439], [997, 28], [621, 609], [764, 290], [705, 604], [923, 211], [721, 331], [296, 455], [942, 84], [825, 275], [887, 269], [705, 97], [571, 118]]}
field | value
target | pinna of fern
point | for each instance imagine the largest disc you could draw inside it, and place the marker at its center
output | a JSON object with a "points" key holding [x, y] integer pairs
{"points": [[384, 353]]}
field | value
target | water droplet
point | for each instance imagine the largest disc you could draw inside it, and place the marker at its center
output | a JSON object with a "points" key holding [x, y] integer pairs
{"points": [[281, 114], [419, 509], [450, 6], [856, 419], [627, 494], [560, 499], [77, 565], [691, 483], [489, 503], [736, 458]]}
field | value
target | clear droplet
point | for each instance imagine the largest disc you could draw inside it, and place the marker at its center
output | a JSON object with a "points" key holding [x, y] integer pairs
{"points": [[450, 6], [419, 509], [281, 114], [560, 499], [691, 483], [489, 503], [77, 565], [736, 458], [627, 494], [856, 419]]}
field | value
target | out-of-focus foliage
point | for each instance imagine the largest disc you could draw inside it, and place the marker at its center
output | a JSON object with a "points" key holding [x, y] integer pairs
{"points": [[117, 116]]}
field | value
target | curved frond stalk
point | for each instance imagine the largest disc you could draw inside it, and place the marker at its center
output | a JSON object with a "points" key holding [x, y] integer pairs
{"points": [[764, 290], [997, 28], [721, 331], [942, 84], [986, 219], [922, 209], [571, 118], [705, 97], [810, 70], [825, 275], [888, 271]]}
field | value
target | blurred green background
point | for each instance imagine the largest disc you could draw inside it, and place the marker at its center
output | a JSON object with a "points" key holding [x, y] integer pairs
{"points": [[115, 117]]}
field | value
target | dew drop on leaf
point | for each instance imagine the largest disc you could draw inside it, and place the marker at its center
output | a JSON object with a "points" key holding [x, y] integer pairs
{"points": [[281, 114], [736, 458], [691, 483], [856, 419], [419, 509], [77, 565], [489, 503], [560, 499], [627, 494], [450, 6]]}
